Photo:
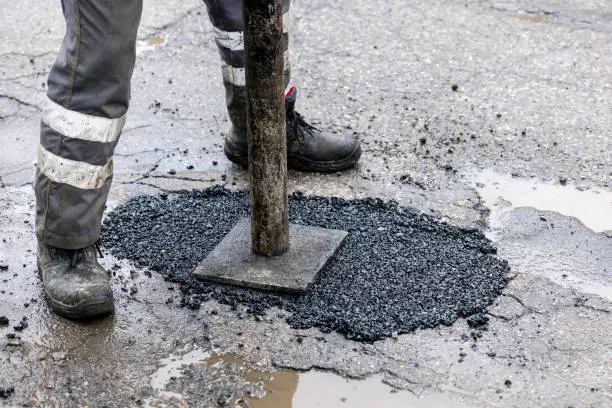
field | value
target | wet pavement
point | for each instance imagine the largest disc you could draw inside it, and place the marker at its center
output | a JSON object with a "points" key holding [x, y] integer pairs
{"points": [[487, 115]]}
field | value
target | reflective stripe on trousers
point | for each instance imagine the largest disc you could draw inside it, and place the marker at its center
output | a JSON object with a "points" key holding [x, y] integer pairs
{"points": [[88, 97]]}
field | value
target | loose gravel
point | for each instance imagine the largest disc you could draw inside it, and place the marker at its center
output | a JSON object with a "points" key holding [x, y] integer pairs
{"points": [[397, 271]]}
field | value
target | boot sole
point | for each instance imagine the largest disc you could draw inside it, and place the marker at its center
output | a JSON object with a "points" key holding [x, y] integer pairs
{"points": [[87, 309], [303, 164]]}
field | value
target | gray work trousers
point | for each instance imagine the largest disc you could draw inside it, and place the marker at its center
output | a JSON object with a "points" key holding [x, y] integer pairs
{"points": [[88, 97]]}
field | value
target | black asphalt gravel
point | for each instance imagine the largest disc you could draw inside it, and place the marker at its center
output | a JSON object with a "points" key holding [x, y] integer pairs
{"points": [[397, 271]]}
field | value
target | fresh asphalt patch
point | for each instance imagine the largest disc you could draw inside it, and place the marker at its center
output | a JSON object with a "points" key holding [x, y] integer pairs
{"points": [[398, 269]]}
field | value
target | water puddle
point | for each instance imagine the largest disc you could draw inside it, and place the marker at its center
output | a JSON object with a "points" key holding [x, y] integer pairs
{"points": [[279, 385], [171, 367], [291, 389], [591, 207], [578, 263], [327, 390]]}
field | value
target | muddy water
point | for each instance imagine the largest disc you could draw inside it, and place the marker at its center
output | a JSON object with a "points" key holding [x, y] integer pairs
{"points": [[293, 389], [280, 385]]}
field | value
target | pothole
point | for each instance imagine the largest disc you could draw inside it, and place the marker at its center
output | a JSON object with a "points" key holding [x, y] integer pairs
{"points": [[397, 271]]}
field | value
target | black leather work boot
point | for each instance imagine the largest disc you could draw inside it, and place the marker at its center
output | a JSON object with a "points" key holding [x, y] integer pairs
{"points": [[75, 284], [308, 148]]}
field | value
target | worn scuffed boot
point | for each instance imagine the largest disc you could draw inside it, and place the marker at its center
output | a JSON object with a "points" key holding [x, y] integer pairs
{"points": [[308, 148], [75, 284]]}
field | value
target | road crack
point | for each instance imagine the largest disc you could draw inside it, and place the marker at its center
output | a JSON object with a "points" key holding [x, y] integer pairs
{"points": [[20, 101]]}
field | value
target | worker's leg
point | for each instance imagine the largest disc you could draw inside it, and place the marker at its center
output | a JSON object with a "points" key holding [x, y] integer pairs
{"points": [[88, 96], [227, 18], [308, 148]]}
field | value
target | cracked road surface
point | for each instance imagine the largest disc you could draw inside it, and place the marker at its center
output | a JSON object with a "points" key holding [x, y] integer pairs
{"points": [[485, 115]]}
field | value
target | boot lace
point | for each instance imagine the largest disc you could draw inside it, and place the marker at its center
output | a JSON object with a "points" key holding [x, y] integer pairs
{"points": [[77, 255], [299, 125]]}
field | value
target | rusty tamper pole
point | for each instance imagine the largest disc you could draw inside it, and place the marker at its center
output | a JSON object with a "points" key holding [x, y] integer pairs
{"points": [[263, 59]]}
